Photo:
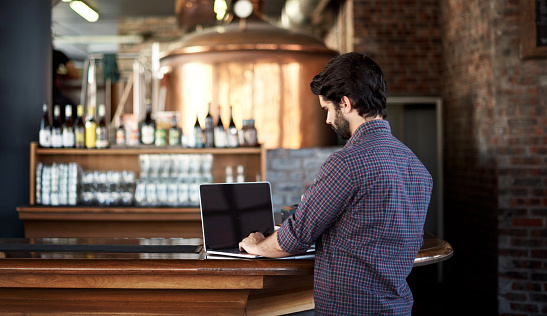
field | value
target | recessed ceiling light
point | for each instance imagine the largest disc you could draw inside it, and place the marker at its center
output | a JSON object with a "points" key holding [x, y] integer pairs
{"points": [[84, 10]]}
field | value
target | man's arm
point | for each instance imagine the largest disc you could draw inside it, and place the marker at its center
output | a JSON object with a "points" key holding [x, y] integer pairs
{"points": [[257, 244]]}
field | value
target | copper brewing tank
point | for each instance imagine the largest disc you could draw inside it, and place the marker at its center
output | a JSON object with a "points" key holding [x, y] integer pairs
{"points": [[263, 72]]}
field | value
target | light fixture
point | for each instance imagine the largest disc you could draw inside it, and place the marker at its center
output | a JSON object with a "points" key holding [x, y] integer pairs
{"points": [[84, 10], [243, 8], [97, 39], [220, 7]]}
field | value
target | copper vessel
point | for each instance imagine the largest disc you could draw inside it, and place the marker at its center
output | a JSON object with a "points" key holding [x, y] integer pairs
{"points": [[261, 72]]}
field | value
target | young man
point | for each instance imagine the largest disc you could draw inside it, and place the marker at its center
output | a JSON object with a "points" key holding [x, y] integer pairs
{"points": [[366, 209]]}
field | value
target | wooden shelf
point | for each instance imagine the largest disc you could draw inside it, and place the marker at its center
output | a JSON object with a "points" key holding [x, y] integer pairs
{"points": [[145, 222], [148, 150], [95, 213]]}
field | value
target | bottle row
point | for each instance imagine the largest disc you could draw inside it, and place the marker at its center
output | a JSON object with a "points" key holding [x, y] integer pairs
{"points": [[93, 131], [69, 133], [165, 180]]}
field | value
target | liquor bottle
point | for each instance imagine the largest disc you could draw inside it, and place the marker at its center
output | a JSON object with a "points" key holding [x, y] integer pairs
{"points": [[90, 128], [241, 133], [160, 136], [220, 132], [148, 127], [102, 129], [79, 128], [231, 134], [120, 133], [68, 128], [45, 129], [209, 133], [198, 135], [57, 128], [174, 132], [250, 134], [240, 174], [229, 175]]}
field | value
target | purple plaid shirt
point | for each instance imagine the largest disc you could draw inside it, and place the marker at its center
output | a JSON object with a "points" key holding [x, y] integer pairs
{"points": [[365, 212]]}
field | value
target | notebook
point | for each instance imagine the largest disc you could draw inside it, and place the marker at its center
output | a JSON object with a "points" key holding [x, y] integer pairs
{"points": [[231, 211]]}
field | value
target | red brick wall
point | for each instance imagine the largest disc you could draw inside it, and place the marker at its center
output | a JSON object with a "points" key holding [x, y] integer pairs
{"points": [[521, 153], [470, 124], [496, 159], [403, 37]]}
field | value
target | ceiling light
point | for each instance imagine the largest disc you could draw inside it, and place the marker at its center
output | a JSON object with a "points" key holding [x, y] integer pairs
{"points": [[220, 7], [97, 39], [243, 8], [84, 10]]}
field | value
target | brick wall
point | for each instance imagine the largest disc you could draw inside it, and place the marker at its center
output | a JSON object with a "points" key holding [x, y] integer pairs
{"points": [[470, 181], [521, 150], [496, 160], [292, 171], [403, 37]]}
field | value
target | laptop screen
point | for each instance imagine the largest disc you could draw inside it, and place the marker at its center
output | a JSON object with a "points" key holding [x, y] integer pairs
{"points": [[231, 211]]}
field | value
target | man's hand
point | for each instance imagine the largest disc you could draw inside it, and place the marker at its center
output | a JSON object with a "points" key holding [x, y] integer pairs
{"points": [[250, 243], [256, 244]]}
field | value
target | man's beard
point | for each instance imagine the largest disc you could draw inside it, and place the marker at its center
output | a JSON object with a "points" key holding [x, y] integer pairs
{"points": [[341, 126]]}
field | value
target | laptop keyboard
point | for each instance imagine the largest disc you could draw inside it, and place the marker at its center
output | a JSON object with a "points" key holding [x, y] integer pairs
{"points": [[230, 250]]}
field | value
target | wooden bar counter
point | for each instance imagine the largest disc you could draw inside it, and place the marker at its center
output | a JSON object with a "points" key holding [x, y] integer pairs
{"points": [[75, 276]]}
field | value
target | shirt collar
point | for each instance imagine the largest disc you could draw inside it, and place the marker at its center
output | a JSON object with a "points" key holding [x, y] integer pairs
{"points": [[369, 128]]}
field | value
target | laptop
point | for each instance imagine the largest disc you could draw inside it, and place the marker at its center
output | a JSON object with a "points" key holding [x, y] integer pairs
{"points": [[231, 211]]}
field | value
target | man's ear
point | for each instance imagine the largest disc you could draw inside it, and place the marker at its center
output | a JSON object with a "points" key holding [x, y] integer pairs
{"points": [[345, 105]]}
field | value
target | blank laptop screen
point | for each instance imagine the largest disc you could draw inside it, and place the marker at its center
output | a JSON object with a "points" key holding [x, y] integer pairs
{"points": [[231, 211]]}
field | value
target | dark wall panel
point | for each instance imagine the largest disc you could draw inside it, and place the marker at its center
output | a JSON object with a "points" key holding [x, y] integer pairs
{"points": [[25, 44]]}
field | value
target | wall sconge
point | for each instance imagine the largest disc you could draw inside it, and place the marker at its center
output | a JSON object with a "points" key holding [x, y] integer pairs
{"points": [[84, 10]]}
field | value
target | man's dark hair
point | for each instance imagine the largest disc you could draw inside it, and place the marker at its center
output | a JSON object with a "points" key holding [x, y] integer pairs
{"points": [[356, 76]]}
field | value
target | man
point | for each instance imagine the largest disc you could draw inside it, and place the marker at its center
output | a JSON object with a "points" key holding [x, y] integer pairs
{"points": [[67, 71], [366, 209]]}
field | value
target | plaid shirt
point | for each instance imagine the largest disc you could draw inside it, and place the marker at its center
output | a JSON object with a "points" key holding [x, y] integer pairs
{"points": [[365, 212]]}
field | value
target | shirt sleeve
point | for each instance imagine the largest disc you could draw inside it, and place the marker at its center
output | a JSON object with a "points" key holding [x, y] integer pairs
{"points": [[322, 204]]}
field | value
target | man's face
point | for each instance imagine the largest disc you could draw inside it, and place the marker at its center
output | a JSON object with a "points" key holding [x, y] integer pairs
{"points": [[336, 119]]}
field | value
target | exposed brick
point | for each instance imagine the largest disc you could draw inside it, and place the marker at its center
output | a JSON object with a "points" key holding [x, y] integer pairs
{"points": [[525, 201], [539, 254], [526, 286], [516, 275], [522, 122], [302, 153], [286, 164], [514, 232], [525, 160], [277, 153], [538, 233], [529, 308], [539, 277], [526, 264], [529, 222], [288, 187], [515, 296], [542, 298], [540, 212], [312, 164], [519, 242]]}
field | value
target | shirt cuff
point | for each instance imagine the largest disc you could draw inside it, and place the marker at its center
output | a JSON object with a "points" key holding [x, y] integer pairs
{"points": [[287, 240]]}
